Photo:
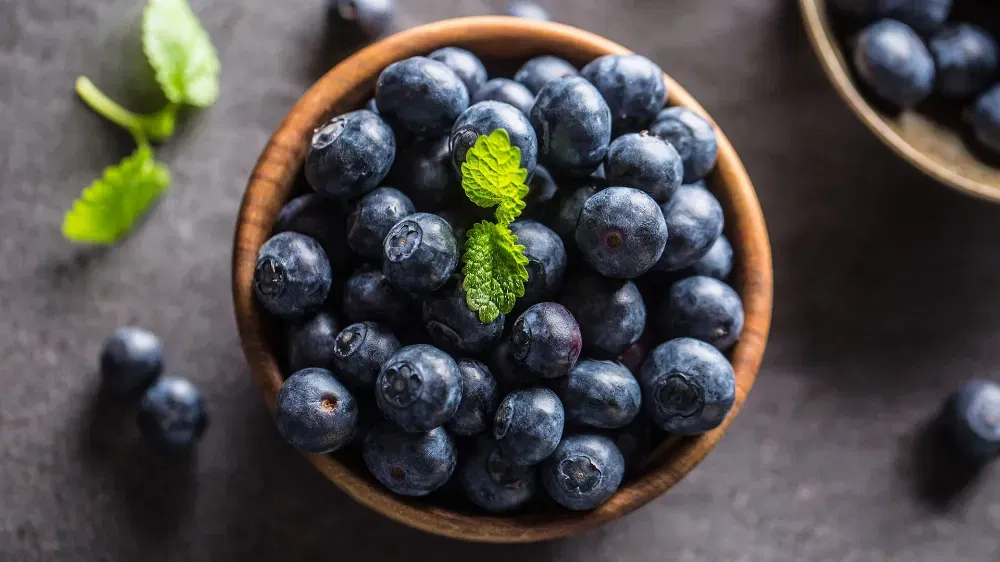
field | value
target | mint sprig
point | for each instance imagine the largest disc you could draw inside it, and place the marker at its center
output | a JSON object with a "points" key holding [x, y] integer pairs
{"points": [[495, 267], [187, 70]]}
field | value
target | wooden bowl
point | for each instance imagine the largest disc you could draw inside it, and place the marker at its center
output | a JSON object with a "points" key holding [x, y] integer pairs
{"points": [[937, 149], [346, 87]]}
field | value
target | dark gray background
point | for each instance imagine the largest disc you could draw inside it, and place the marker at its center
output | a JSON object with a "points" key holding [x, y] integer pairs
{"points": [[885, 299]]}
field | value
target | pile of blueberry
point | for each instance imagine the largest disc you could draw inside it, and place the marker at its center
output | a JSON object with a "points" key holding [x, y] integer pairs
{"points": [[935, 55], [171, 410], [625, 251]]}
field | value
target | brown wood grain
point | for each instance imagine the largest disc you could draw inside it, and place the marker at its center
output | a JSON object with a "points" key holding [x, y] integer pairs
{"points": [[936, 149], [346, 87]]}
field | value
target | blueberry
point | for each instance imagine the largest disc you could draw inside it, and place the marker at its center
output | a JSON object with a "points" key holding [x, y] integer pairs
{"points": [[131, 360], [692, 136], [694, 220], [611, 313], [967, 60], [528, 425], [703, 308], [410, 464], [601, 394], [292, 275], [420, 253], [546, 260], [894, 62], [542, 195], [172, 414], [635, 444], [688, 386], [494, 483], [427, 171], [573, 124], [583, 472], [310, 342], [350, 155], [644, 162], [372, 218], [546, 339], [527, 10], [419, 388], [717, 262], [509, 374], [924, 16], [464, 64], [421, 95], [319, 218], [368, 417], [621, 232], [315, 413], [600, 173], [487, 116], [373, 18], [455, 327], [372, 106], [973, 416], [632, 85], [539, 71], [568, 212], [460, 222], [480, 398], [370, 296], [506, 91], [985, 119], [360, 350]]}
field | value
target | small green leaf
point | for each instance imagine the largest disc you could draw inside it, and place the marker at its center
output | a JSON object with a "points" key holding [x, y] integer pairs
{"points": [[180, 52], [110, 206], [495, 270], [492, 175]]}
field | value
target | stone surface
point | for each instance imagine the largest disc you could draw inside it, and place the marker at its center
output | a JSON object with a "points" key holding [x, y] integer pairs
{"points": [[886, 298]]}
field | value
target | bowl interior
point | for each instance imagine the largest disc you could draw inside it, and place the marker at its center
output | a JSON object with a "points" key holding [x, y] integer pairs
{"points": [[507, 42], [935, 144]]}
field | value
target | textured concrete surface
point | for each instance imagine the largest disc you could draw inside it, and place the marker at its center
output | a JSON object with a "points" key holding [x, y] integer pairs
{"points": [[886, 298]]}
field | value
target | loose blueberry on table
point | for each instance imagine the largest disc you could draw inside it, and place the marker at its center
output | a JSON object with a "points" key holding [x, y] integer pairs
{"points": [[172, 414], [131, 360], [489, 256], [973, 415]]}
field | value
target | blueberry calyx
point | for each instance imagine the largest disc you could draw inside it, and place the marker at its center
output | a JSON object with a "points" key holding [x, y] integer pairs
{"points": [[350, 340], [402, 384], [504, 472], [677, 396], [580, 474], [269, 277], [404, 239], [325, 135]]}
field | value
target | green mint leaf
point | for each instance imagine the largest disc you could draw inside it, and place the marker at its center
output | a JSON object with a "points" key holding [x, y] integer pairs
{"points": [[180, 52], [492, 175], [110, 206], [495, 270]]}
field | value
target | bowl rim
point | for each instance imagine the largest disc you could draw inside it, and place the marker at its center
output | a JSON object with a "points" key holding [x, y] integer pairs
{"points": [[816, 21], [343, 88]]}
